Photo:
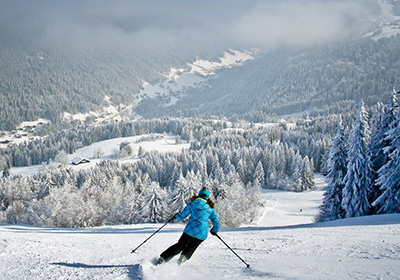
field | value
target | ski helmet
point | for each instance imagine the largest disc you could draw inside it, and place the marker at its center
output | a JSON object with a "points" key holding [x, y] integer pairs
{"points": [[204, 193]]}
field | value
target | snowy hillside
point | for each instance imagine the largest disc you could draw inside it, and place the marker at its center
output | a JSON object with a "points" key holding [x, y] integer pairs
{"points": [[106, 149], [178, 81], [285, 244]]}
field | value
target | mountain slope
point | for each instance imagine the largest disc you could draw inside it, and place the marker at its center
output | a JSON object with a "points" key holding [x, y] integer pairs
{"points": [[293, 81], [358, 248]]}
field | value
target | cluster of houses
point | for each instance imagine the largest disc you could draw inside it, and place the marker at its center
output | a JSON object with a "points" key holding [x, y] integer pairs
{"points": [[23, 133]]}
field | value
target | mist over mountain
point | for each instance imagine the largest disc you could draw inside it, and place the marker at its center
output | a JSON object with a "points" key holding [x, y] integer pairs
{"points": [[61, 57], [179, 25]]}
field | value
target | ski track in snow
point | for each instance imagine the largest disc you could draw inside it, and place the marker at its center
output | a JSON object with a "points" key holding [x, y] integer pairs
{"points": [[284, 244]]}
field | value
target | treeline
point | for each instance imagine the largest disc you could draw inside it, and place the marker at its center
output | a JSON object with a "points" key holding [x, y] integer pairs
{"points": [[364, 165], [234, 164]]}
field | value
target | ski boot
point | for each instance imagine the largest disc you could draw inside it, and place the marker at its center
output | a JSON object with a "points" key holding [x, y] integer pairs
{"points": [[182, 259], [161, 260]]}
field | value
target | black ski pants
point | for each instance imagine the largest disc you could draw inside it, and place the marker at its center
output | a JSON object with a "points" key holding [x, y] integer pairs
{"points": [[186, 245]]}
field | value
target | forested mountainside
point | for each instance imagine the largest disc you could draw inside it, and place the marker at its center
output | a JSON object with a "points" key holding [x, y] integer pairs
{"points": [[294, 81], [37, 83], [45, 84]]}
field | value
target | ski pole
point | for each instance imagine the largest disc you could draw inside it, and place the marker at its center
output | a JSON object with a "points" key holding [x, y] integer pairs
{"points": [[133, 251], [232, 250]]}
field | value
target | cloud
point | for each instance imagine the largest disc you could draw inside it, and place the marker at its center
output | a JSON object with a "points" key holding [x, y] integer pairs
{"points": [[302, 22], [177, 24]]}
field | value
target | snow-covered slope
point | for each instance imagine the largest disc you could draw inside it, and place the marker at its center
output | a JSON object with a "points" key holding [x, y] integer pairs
{"points": [[388, 21], [196, 76], [285, 244]]}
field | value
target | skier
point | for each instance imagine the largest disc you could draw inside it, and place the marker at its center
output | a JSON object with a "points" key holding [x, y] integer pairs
{"points": [[201, 209]]}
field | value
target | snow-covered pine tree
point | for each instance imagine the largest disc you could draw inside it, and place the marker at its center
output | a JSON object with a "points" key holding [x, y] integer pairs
{"points": [[6, 169], [240, 170], [331, 208], [258, 176], [294, 171], [194, 183], [117, 202], [379, 142], [173, 175], [67, 207], [307, 175], [233, 204], [153, 206], [324, 166], [180, 195], [375, 150], [140, 152], [357, 180], [389, 179]]}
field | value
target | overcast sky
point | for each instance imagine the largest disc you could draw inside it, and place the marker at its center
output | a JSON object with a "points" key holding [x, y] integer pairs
{"points": [[175, 24]]}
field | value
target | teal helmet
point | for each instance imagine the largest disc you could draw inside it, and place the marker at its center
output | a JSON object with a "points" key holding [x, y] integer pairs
{"points": [[204, 193]]}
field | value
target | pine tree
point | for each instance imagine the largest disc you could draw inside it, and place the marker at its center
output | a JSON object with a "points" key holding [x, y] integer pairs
{"points": [[140, 152], [375, 150], [331, 208], [389, 179], [194, 183], [231, 202], [295, 171], [357, 180], [180, 195], [307, 175], [240, 169], [153, 207], [379, 142], [6, 169], [258, 176]]}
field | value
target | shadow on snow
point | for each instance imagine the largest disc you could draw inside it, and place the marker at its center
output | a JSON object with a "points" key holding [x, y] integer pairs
{"points": [[134, 271]]}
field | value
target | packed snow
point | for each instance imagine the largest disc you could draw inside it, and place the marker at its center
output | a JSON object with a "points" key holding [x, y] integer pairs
{"points": [[283, 244]]}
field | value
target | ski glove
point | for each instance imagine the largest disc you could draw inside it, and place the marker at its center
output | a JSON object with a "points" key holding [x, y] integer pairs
{"points": [[213, 232]]}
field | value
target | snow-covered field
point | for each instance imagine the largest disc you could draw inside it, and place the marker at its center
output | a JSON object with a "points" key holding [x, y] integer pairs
{"points": [[105, 149], [284, 244]]}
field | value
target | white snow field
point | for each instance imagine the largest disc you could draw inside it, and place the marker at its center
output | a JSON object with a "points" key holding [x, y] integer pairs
{"points": [[158, 142], [284, 244]]}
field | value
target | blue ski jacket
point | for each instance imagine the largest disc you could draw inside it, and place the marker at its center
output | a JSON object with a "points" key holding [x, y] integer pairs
{"points": [[200, 212]]}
